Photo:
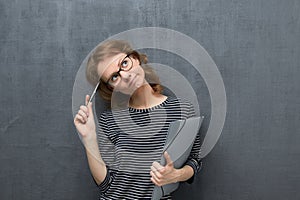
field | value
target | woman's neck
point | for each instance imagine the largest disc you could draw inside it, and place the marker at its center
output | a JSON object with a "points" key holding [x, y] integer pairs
{"points": [[144, 97]]}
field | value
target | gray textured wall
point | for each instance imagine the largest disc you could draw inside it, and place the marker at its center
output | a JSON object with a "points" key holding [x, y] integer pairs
{"points": [[255, 44]]}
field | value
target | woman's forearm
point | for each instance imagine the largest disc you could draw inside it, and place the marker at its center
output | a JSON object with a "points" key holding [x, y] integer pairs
{"points": [[96, 163], [184, 173]]}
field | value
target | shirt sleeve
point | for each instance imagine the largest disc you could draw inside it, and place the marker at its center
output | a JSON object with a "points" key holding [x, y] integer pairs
{"points": [[105, 184], [194, 160]]}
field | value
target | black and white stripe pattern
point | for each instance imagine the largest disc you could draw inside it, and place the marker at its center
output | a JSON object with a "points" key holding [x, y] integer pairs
{"points": [[131, 139]]}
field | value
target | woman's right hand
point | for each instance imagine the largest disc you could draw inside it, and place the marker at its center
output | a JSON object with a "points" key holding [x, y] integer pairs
{"points": [[84, 120]]}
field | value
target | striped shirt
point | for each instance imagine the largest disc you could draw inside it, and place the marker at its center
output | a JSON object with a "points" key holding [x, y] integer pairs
{"points": [[130, 140]]}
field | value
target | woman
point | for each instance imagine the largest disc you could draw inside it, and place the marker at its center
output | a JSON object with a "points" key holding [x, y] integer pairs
{"points": [[123, 155]]}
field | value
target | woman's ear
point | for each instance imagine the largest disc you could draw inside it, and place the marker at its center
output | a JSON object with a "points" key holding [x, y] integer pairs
{"points": [[141, 58], [136, 59]]}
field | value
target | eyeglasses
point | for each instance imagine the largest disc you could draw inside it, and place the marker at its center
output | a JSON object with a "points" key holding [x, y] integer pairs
{"points": [[125, 65]]}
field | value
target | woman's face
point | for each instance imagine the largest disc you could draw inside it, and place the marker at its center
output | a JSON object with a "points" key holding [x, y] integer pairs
{"points": [[122, 72]]}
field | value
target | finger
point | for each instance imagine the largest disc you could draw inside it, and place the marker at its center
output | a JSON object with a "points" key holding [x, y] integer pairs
{"points": [[79, 118], [89, 105], [154, 179], [155, 172], [85, 109], [168, 158], [83, 115], [157, 166], [87, 98]]}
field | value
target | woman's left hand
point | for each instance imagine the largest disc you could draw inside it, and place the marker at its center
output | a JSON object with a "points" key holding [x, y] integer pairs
{"points": [[163, 175]]}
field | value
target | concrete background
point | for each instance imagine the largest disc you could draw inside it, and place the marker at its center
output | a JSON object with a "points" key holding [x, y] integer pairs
{"points": [[255, 45]]}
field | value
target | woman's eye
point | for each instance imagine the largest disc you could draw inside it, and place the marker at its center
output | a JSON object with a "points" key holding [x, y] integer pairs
{"points": [[124, 64], [114, 77]]}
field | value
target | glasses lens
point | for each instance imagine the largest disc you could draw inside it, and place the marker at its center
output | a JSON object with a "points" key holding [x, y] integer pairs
{"points": [[126, 64], [114, 80]]}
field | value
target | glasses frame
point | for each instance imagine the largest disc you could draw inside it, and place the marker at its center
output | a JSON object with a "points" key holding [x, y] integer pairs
{"points": [[120, 69], [118, 72]]}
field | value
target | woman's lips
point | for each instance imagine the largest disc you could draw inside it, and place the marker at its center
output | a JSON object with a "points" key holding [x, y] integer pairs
{"points": [[132, 81]]}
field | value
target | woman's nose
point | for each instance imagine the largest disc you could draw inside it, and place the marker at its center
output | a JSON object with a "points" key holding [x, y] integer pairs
{"points": [[125, 75]]}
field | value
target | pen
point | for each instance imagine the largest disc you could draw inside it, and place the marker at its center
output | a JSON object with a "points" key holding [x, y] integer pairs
{"points": [[94, 92]]}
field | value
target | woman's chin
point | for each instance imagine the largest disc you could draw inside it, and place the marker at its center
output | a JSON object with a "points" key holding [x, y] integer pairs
{"points": [[139, 83], [137, 86]]}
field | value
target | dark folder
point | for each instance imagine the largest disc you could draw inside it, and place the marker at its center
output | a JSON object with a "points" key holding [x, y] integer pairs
{"points": [[179, 143]]}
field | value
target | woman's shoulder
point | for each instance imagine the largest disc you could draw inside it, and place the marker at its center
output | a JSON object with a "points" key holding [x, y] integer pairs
{"points": [[110, 113], [180, 106], [179, 101]]}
